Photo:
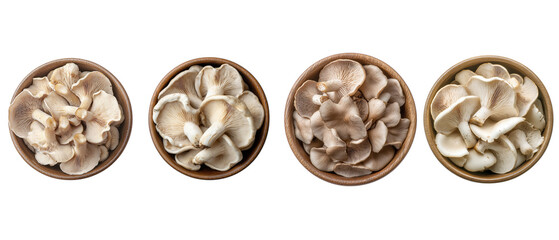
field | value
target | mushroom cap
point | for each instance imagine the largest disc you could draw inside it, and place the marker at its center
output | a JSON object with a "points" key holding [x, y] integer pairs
{"points": [[184, 83], [445, 97], [170, 115], [375, 82], [104, 153], [225, 80], [505, 152], [497, 98], [317, 126], [113, 138], [185, 159], [392, 115], [377, 136], [336, 148], [44, 159], [66, 136], [397, 134], [350, 171], [393, 92], [57, 106], [344, 118], [39, 87], [90, 84], [254, 107], [349, 73], [376, 111], [526, 95], [315, 143], [460, 111], [105, 111], [363, 107], [321, 160], [463, 76], [20, 113], [175, 149], [221, 156], [492, 130], [520, 159], [303, 130], [227, 114], [66, 75], [451, 145], [86, 158], [535, 115], [525, 132], [303, 101], [489, 70], [377, 161], [358, 151], [44, 140], [479, 162]]}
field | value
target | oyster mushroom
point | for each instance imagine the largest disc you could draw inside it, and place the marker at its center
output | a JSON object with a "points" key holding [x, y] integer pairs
{"points": [[60, 109], [344, 118], [185, 159], [315, 143], [375, 82], [321, 160], [350, 171], [377, 161], [24, 110], [303, 130], [445, 97], [176, 121], [478, 162], [221, 156], [397, 134], [104, 111], [358, 151], [86, 158], [62, 79], [184, 83], [456, 116], [376, 111], [526, 95], [317, 126], [224, 80], [89, 85], [104, 153], [489, 70], [44, 159], [43, 139], [113, 138], [40, 87], [463, 76], [340, 78], [497, 97], [378, 135], [392, 115], [393, 92], [336, 148], [363, 107], [227, 115], [254, 107], [451, 145], [492, 130], [535, 115], [527, 138], [308, 99], [505, 154]]}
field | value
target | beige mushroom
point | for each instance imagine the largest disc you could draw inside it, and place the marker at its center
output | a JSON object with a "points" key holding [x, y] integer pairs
{"points": [[527, 138], [463, 76], [445, 97], [456, 116], [86, 158], [451, 145], [358, 151], [221, 156], [227, 115], [44, 159], [176, 121], [112, 138], [103, 112], [377, 136], [104, 153], [497, 97], [375, 82], [184, 83], [340, 78], [24, 110], [254, 107], [308, 99], [303, 130], [44, 140], [535, 115], [336, 148], [397, 134], [344, 118], [492, 130], [321, 160], [62, 79], [489, 70], [224, 80], [377, 161], [363, 107], [505, 152], [315, 143], [478, 162], [376, 111], [350, 171], [526, 95], [182, 145], [66, 136], [520, 159], [40, 87], [60, 109], [317, 126], [185, 159], [89, 85], [392, 115], [393, 92]]}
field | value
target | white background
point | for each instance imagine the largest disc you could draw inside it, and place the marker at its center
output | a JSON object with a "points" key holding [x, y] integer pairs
{"points": [[141, 197]]}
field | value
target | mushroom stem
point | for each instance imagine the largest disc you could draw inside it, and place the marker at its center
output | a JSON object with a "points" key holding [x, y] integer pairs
{"points": [[203, 156], [329, 86], [481, 146], [80, 143], [319, 99], [86, 102], [385, 97], [84, 115], [212, 134], [50, 135], [467, 134], [63, 91], [480, 116], [522, 142], [192, 132], [63, 123], [214, 91], [44, 118]]}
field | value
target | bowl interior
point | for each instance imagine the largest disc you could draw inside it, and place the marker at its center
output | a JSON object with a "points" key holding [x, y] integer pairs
{"points": [[124, 128], [472, 64], [248, 155], [408, 111]]}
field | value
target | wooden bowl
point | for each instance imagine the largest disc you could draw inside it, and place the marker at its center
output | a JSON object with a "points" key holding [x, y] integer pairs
{"points": [[472, 64], [297, 147], [248, 155], [124, 129]]}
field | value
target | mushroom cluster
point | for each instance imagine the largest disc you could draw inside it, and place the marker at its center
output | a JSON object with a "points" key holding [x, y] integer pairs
{"points": [[489, 119], [68, 117], [207, 116], [350, 121]]}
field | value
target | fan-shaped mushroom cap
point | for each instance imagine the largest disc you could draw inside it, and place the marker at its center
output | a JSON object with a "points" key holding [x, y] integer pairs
{"points": [[363, 107], [112, 138], [321, 160], [315, 143], [535, 115], [527, 138], [340, 78], [335, 147], [377, 161], [254, 107], [349, 171], [44, 159], [185, 159], [393, 93], [456, 116], [221, 156], [497, 97], [303, 130], [60, 109], [66, 136], [89, 85], [464, 76], [344, 118], [377, 136], [459, 161], [392, 115], [24, 110], [184, 83], [376, 111], [397, 134], [224, 80], [492, 130], [317, 125], [477, 162], [375, 82], [104, 111], [308, 99], [104, 153], [86, 158], [526, 95], [62, 79], [44, 140], [520, 159], [358, 151], [176, 121], [227, 115], [445, 97], [505, 152], [451, 145], [40, 87], [489, 70]]}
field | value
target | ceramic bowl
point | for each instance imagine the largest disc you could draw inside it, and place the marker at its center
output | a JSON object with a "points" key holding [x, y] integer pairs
{"points": [[248, 155], [472, 64], [408, 111], [124, 129]]}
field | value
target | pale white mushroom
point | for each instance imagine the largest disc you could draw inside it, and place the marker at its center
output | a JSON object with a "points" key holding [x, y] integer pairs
{"points": [[526, 95], [451, 145], [86, 158], [527, 138], [40, 87], [479, 162], [44, 159], [308, 98], [113, 138], [344, 118], [176, 121], [184, 83], [60, 109], [103, 112], [375, 82], [520, 159], [497, 97], [224, 80], [303, 130], [445, 97], [254, 107], [62, 79], [340, 78], [104, 153], [24, 110], [489, 70], [492, 130], [505, 152], [464, 76], [456, 116], [44, 140], [89, 85], [221, 156], [535, 115], [185, 159]]}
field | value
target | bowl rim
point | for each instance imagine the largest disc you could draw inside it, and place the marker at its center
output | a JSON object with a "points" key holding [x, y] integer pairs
{"points": [[125, 135], [303, 157], [252, 152], [447, 77]]}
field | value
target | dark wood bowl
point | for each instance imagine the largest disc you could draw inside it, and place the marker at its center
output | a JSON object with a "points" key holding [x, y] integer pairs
{"points": [[124, 129], [472, 64], [248, 155], [297, 147]]}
